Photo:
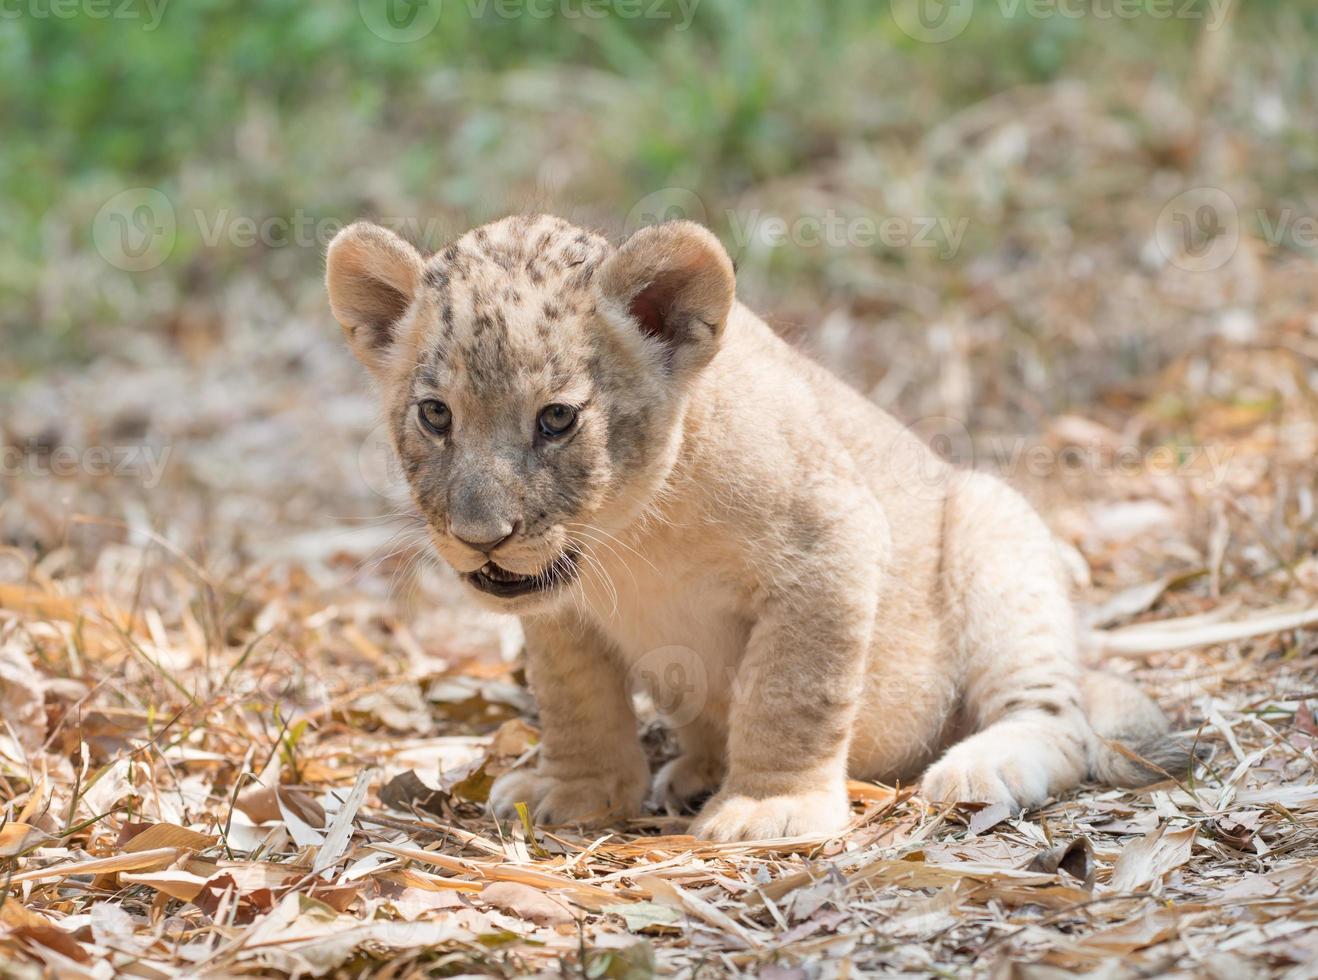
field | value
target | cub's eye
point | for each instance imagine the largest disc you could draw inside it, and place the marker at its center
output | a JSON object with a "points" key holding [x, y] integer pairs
{"points": [[435, 416], [556, 420]]}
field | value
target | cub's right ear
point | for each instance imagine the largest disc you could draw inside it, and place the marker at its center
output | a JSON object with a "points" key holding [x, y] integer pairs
{"points": [[675, 284], [371, 275]]}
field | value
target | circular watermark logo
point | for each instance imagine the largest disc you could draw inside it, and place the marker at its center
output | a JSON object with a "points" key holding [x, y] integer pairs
{"points": [[932, 21], [1199, 230], [926, 475], [400, 21], [378, 463], [677, 681], [948, 437], [136, 229], [666, 204]]}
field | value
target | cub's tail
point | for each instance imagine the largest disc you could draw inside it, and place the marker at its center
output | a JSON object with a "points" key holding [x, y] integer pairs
{"points": [[1133, 747]]}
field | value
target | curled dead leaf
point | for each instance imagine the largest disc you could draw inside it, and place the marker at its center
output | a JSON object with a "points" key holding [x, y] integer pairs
{"points": [[1075, 857], [407, 792], [476, 787], [261, 805], [1238, 828], [243, 905]]}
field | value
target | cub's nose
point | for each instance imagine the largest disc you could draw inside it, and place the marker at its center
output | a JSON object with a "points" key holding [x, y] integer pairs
{"points": [[484, 537]]}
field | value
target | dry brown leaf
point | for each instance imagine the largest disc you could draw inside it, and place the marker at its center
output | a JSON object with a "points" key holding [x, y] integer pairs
{"points": [[476, 786], [337, 897], [985, 818], [98, 866], [25, 599], [22, 695], [1163, 636], [1126, 603], [666, 892], [527, 903], [242, 906], [581, 892], [175, 882], [19, 838], [1146, 861], [1075, 857], [26, 924], [407, 792], [1238, 828], [1047, 896], [16, 915], [168, 835], [1304, 720], [513, 739], [340, 828], [261, 805], [1153, 927], [409, 878], [870, 792]]}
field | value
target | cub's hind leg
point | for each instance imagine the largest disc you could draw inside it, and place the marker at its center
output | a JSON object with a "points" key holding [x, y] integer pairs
{"points": [[1012, 631]]}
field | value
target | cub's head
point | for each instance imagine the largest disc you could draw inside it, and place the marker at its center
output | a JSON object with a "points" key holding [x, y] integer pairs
{"points": [[534, 379]]}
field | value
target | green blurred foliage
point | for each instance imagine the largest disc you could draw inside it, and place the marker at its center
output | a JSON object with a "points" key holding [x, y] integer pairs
{"points": [[285, 106]]}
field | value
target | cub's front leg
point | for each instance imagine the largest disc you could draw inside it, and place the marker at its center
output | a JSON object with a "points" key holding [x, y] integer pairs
{"points": [[795, 700], [590, 768]]}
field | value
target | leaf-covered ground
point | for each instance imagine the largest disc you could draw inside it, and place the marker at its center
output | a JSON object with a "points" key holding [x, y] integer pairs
{"points": [[269, 754], [247, 726]]}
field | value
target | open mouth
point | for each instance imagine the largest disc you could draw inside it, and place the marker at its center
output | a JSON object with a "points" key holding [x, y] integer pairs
{"points": [[500, 582]]}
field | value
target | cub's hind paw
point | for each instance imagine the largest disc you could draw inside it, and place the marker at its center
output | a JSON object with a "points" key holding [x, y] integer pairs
{"points": [[969, 774]]}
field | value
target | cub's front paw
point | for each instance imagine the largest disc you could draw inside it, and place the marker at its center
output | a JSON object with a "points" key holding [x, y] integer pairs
{"points": [[594, 799], [971, 773], [682, 782], [733, 817]]}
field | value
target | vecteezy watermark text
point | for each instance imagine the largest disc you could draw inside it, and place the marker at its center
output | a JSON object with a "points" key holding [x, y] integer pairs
{"points": [[827, 228], [144, 463], [298, 230], [405, 21], [834, 229], [938, 21], [137, 229], [1208, 464], [1200, 229], [148, 12]]}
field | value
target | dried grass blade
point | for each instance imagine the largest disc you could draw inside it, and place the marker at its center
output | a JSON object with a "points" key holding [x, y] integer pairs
{"points": [[123, 862]]}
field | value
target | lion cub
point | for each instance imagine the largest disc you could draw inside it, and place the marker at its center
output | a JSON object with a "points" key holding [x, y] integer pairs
{"points": [[606, 443]]}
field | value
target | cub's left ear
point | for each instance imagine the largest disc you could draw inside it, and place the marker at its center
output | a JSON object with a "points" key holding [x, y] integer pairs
{"points": [[676, 282], [371, 275]]}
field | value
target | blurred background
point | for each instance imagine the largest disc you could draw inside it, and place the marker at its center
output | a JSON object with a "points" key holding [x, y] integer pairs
{"points": [[1076, 227]]}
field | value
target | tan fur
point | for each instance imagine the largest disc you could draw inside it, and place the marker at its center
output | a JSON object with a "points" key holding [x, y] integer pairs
{"points": [[807, 589]]}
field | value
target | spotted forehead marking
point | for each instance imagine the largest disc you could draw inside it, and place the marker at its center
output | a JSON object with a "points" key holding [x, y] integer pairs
{"points": [[504, 292], [514, 261], [534, 247]]}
